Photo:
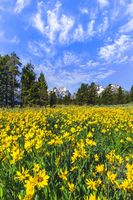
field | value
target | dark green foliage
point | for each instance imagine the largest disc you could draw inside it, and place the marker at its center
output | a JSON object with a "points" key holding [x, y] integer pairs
{"points": [[9, 84], [42, 90], [82, 94], [52, 99], [92, 94], [127, 97], [131, 93], [28, 85], [13, 63], [108, 96], [66, 100], [120, 96]]}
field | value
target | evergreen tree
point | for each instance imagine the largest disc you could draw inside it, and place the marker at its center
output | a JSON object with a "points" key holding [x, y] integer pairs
{"points": [[67, 100], [5, 84], [127, 97], [13, 63], [52, 99], [108, 96], [34, 98], [120, 96], [27, 84], [82, 94], [2, 103], [131, 93], [92, 94], [42, 90]]}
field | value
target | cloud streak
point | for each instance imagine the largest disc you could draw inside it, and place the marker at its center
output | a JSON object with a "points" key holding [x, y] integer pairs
{"points": [[20, 5]]}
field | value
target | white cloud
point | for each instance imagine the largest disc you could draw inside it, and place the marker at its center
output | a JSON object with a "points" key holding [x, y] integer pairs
{"points": [[13, 40], [104, 26], [115, 52], [103, 75], [40, 48], [81, 35], [55, 26], [103, 3], [70, 58], [66, 24], [33, 48], [78, 33], [128, 27], [84, 11], [38, 22], [129, 10], [20, 5], [90, 30]]}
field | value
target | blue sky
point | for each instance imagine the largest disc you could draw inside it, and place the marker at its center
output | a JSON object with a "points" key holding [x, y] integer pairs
{"points": [[71, 41]]}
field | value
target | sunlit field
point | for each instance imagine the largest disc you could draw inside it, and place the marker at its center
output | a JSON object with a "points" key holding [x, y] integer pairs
{"points": [[66, 153]]}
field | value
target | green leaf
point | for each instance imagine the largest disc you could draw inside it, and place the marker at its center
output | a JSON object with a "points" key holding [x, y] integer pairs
{"points": [[1, 192]]}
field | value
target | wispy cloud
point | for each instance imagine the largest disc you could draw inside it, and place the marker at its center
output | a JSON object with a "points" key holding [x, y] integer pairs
{"points": [[128, 27], [20, 5], [66, 24], [38, 22], [55, 26], [103, 3], [102, 28], [78, 34], [84, 10], [129, 10], [115, 52], [12, 40]]}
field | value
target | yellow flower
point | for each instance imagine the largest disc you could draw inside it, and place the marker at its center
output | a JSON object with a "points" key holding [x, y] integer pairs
{"points": [[90, 142], [111, 176], [100, 168], [41, 179], [36, 168], [89, 135], [91, 184], [16, 154], [63, 174], [71, 187], [129, 139], [92, 197], [96, 157], [29, 186], [28, 197], [21, 176], [72, 130]]}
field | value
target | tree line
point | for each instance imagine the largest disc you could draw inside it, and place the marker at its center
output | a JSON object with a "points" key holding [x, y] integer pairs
{"points": [[88, 94], [19, 85]]}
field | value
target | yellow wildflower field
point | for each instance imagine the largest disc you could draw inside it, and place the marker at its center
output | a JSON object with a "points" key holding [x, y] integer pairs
{"points": [[66, 153]]}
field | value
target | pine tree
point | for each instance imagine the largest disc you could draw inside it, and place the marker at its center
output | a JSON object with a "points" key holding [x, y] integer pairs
{"points": [[131, 93], [120, 96], [27, 84], [52, 99], [108, 96], [92, 94], [13, 63], [127, 97], [82, 94], [1, 82], [42, 90], [66, 100], [4, 81]]}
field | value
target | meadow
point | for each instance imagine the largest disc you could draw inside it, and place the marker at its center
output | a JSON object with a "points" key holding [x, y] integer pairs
{"points": [[70, 153]]}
